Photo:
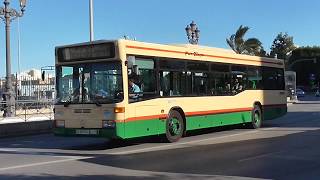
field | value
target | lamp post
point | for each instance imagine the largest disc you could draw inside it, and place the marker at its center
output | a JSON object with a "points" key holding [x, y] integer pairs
{"points": [[8, 14], [193, 33], [91, 19]]}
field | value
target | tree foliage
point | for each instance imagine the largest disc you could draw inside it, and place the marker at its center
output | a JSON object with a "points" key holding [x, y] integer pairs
{"points": [[238, 44], [306, 52], [282, 46], [306, 61]]}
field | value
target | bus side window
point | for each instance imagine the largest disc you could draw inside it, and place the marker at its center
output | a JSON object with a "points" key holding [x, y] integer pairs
{"points": [[143, 70], [254, 76]]}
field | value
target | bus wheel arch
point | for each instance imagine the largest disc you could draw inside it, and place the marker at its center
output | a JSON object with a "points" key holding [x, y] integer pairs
{"points": [[175, 124], [257, 116], [257, 103]]}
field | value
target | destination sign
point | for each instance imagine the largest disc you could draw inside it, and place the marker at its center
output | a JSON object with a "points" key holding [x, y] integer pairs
{"points": [[86, 52]]}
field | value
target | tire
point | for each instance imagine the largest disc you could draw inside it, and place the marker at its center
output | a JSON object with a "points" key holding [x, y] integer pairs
{"points": [[256, 121], [174, 126]]}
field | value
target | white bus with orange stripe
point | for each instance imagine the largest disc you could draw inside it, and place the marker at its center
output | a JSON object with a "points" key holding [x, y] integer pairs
{"points": [[182, 88]]}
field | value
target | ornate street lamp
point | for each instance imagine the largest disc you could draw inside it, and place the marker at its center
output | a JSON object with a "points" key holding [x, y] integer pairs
{"points": [[193, 33], [8, 15]]}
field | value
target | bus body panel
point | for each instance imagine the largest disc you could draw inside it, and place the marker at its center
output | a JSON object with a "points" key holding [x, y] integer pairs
{"points": [[202, 112], [148, 117], [89, 117]]}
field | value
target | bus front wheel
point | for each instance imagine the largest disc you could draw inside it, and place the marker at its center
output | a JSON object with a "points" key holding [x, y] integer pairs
{"points": [[256, 117], [174, 126]]}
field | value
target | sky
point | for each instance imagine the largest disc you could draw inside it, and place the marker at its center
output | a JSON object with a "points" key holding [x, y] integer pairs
{"points": [[50, 23]]}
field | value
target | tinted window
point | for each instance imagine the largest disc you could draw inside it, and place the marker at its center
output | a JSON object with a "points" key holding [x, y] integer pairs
{"points": [[197, 66], [273, 78], [254, 78], [220, 80], [142, 73], [200, 83], [172, 83], [172, 64], [239, 78]]}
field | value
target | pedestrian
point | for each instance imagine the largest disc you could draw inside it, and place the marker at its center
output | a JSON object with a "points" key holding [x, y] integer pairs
{"points": [[4, 105]]}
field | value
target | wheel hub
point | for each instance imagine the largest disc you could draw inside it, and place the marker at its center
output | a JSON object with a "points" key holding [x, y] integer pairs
{"points": [[175, 127]]}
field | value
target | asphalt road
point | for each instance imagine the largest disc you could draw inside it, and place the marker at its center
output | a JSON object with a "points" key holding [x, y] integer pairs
{"points": [[285, 148]]}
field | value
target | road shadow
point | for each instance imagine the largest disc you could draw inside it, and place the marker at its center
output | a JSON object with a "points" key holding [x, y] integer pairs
{"points": [[258, 158], [49, 141], [102, 177]]}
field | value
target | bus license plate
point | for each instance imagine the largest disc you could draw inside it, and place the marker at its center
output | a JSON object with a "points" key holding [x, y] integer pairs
{"points": [[86, 131]]}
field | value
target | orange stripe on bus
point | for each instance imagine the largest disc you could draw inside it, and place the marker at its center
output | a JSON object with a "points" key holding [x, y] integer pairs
{"points": [[141, 118], [164, 116], [207, 55]]}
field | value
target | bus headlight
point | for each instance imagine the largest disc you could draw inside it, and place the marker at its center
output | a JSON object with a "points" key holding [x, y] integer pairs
{"points": [[60, 123], [108, 124]]}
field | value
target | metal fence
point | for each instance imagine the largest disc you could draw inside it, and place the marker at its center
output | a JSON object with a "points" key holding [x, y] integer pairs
{"points": [[34, 97], [30, 109]]}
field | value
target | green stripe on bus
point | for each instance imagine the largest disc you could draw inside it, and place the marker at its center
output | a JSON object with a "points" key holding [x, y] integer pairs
{"points": [[198, 122], [144, 128], [156, 126], [149, 127]]}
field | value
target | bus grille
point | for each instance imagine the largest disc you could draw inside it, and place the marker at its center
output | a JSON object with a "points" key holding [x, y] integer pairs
{"points": [[82, 111]]}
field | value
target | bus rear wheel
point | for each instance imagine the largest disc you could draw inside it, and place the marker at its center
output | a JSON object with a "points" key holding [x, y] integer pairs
{"points": [[256, 121], [174, 126]]}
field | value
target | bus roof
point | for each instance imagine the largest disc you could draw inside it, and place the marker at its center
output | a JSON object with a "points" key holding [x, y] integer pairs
{"points": [[196, 52], [188, 51]]}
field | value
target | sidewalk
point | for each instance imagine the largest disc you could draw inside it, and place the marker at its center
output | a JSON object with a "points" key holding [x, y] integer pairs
{"points": [[17, 126], [307, 99]]}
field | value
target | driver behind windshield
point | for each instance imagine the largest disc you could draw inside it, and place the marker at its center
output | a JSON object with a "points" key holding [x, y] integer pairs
{"points": [[134, 89]]}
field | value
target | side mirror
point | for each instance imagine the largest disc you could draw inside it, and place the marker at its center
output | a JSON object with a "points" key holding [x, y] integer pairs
{"points": [[131, 61], [135, 69], [43, 75]]}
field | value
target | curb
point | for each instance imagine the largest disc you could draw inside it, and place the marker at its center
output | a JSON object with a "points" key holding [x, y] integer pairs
{"points": [[25, 128]]}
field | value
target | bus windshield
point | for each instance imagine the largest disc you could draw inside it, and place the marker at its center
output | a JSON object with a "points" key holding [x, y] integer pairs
{"points": [[99, 83]]}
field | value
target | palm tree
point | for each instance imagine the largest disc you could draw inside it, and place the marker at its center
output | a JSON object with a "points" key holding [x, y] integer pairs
{"points": [[238, 44]]}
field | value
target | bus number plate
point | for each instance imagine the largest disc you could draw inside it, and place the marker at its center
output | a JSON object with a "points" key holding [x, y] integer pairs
{"points": [[86, 131]]}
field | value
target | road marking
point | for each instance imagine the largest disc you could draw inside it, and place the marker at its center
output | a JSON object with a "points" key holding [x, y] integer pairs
{"points": [[43, 163], [8, 150], [182, 143], [260, 156]]}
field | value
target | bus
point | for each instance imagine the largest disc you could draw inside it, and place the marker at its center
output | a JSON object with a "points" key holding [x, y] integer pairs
{"points": [[122, 89]]}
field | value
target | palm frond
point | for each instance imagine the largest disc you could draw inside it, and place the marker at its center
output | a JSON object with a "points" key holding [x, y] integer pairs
{"points": [[242, 30], [253, 42], [239, 38], [231, 43], [240, 45]]}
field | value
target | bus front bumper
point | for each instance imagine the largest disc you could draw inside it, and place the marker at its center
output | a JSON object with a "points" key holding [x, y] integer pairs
{"points": [[107, 133]]}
